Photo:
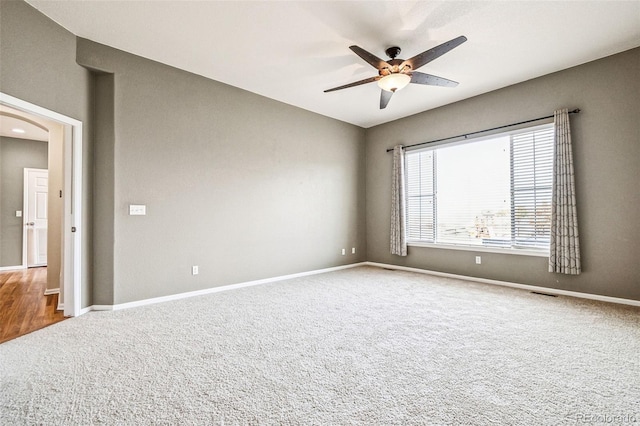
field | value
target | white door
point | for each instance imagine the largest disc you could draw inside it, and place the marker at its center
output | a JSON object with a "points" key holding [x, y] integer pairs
{"points": [[36, 216]]}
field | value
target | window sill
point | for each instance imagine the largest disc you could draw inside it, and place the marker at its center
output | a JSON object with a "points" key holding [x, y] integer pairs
{"points": [[523, 252]]}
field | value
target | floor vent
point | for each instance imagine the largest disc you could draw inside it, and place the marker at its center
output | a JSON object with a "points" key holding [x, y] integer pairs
{"points": [[544, 294]]}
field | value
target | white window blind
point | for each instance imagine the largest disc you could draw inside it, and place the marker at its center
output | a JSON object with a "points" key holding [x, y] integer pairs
{"points": [[494, 192], [532, 179], [421, 196]]}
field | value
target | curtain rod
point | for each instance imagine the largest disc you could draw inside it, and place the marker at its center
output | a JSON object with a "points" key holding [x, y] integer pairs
{"points": [[575, 111]]}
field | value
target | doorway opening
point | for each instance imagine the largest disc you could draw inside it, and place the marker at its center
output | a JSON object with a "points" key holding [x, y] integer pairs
{"points": [[70, 196]]}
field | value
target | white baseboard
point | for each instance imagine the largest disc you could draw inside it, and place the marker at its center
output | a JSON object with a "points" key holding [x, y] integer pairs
{"points": [[213, 290], [60, 307], [85, 310], [546, 290], [12, 268], [353, 265], [51, 291]]}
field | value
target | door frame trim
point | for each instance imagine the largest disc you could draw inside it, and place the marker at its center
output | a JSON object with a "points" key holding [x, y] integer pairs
{"points": [[25, 205], [72, 211]]}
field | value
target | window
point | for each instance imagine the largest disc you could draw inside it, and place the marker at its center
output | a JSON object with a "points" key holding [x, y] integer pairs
{"points": [[489, 192]]}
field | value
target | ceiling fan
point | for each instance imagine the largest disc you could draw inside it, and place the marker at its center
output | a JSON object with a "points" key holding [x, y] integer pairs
{"points": [[395, 74]]}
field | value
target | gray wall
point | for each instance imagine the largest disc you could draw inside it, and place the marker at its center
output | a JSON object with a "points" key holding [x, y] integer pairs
{"points": [[242, 186], [606, 138], [248, 188], [103, 201], [15, 156], [37, 64]]}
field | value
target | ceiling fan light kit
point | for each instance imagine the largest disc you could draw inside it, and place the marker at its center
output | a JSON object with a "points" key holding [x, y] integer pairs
{"points": [[394, 82], [395, 74]]}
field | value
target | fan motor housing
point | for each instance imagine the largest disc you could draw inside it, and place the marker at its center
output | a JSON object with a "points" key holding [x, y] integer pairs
{"points": [[393, 51], [395, 67]]}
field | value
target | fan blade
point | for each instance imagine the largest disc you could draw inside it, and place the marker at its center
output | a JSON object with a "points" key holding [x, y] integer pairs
{"points": [[385, 97], [431, 54], [370, 58], [355, 83], [431, 80]]}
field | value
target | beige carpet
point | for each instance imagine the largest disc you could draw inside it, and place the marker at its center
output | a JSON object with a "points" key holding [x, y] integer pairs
{"points": [[359, 346]]}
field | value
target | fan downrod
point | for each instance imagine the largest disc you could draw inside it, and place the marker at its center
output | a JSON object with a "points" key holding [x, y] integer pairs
{"points": [[392, 52]]}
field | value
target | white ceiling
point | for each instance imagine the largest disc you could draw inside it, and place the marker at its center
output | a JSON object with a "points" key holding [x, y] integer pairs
{"points": [[292, 51], [11, 119]]}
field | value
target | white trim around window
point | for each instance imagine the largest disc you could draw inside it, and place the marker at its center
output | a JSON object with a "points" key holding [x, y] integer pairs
{"points": [[483, 249], [495, 189]]}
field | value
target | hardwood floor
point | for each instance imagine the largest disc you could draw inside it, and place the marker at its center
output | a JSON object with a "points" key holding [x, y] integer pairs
{"points": [[23, 306]]}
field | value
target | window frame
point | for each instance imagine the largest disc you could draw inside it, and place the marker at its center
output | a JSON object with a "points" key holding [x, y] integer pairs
{"points": [[539, 252]]}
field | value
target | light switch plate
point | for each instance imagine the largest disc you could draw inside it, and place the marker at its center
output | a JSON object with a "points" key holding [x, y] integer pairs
{"points": [[18, 213], [137, 210]]}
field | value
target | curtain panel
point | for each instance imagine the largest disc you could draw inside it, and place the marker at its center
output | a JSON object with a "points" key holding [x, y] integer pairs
{"points": [[564, 249], [398, 204]]}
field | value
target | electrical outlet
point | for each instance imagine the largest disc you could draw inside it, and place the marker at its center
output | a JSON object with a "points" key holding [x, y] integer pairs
{"points": [[478, 260], [344, 251], [353, 250], [194, 270]]}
